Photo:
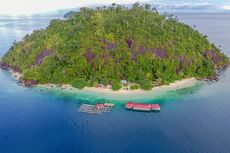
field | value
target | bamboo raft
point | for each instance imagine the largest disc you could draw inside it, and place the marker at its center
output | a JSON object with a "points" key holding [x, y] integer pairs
{"points": [[94, 109]]}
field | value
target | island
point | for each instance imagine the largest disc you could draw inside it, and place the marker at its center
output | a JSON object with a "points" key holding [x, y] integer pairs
{"points": [[69, 14], [114, 46]]}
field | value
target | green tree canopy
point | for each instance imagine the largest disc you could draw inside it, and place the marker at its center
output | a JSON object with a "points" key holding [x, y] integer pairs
{"points": [[115, 43]]}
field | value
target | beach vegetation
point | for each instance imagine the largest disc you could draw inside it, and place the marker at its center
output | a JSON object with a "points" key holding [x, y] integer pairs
{"points": [[79, 83], [146, 84], [134, 87], [116, 86]]}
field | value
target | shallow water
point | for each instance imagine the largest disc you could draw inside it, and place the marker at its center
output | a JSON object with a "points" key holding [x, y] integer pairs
{"points": [[192, 120]]}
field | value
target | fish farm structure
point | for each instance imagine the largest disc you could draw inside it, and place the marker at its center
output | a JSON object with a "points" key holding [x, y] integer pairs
{"points": [[96, 109]]}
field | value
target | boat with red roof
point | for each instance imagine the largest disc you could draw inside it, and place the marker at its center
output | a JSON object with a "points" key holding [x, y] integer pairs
{"points": [[142, 106]]}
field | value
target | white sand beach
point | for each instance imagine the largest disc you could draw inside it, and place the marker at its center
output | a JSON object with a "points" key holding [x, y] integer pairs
{"points": [[173, 86], [124, 95]]}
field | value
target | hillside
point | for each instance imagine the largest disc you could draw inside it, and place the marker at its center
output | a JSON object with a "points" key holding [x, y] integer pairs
{"points": [[109, 44]]}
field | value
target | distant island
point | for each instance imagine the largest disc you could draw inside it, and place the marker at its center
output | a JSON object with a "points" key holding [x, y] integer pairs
{"points": [[114, 46], [69, 14]]}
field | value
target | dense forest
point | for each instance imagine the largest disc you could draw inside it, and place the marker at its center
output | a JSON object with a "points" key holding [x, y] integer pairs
{"points": [[108, 44]]}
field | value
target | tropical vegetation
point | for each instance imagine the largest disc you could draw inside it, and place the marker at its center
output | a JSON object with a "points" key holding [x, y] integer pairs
{"points": [[109, 44]]}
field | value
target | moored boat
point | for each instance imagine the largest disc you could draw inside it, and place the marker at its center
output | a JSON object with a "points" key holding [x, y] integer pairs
{"points": [[129, 105], [142, 107], [155, 107]]}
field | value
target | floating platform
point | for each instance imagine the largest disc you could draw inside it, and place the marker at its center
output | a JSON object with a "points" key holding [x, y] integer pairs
{"points": [[108, 104], [142, 107], [95, 109]]}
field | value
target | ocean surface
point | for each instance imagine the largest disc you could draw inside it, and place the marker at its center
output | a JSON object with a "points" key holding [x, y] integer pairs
{"points": [[192, 120]]}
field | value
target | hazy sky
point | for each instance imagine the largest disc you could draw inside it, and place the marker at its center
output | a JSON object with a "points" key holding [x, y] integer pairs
{"points": [[16, 7]]}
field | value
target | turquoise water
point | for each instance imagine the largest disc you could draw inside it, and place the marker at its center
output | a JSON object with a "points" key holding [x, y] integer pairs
{"points": [[192, 120]]}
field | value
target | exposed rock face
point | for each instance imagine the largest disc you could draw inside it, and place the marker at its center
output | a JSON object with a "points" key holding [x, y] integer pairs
{"points": [[159, 52], [215, 58], [42, 55], [16, 69], [142, 50], [184, 61], [4, 66], [129, 42], [89, 56], [29, 83], [108, 45], [134, 56]]}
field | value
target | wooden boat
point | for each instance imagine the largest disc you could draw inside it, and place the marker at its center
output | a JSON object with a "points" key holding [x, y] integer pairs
{"points": [[142, 107], [155, 107], [129, 105]]}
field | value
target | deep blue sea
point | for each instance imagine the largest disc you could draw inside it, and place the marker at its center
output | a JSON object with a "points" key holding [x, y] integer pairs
{"points": [[192, 120]]}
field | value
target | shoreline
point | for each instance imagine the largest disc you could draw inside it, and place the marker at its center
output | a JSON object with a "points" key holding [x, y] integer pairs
{"points": [[172, 86], [180, 84], [96, 95], [106, 93]]}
